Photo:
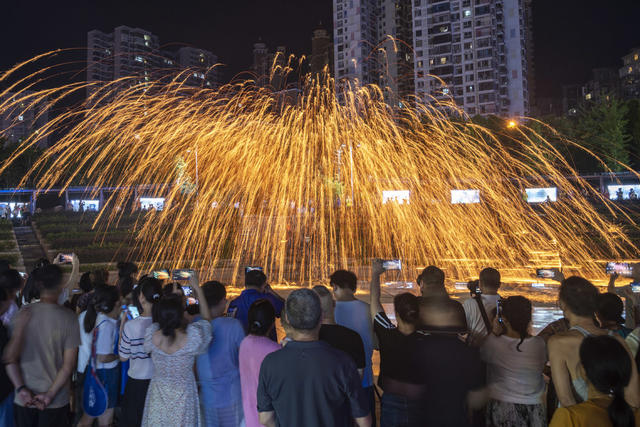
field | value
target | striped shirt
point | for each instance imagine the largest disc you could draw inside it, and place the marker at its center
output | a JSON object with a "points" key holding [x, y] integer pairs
{"points": [[131, 347]]}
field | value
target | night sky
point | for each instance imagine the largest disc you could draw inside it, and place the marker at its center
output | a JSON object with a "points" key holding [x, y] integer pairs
{"points": [[571, 36]]}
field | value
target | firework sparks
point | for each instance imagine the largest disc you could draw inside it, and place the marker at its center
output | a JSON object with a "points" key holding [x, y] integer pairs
{"points": [[297, 187]]}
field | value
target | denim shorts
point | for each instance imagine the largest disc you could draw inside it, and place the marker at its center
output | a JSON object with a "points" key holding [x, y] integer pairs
{"points": [[110, 379]]}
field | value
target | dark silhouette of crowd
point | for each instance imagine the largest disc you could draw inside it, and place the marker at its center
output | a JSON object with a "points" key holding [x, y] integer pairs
{"points": [[141, 351]]}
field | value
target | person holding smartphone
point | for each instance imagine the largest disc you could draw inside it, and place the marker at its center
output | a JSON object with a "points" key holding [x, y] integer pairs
{"points": [[630, 294], [131, 348], [172, 397]]}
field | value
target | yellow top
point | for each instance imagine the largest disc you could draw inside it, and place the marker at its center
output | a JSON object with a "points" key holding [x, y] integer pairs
{"points": [[593, 412]]}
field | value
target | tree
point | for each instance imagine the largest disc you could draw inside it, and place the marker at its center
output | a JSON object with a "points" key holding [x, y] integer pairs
{"points": [[633, 117], [602, 127]]}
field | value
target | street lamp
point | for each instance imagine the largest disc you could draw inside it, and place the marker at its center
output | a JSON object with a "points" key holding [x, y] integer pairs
{"points": [[512, 124]]}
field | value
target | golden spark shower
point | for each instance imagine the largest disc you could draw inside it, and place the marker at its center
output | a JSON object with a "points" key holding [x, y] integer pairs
{"points": [[294, 180]]}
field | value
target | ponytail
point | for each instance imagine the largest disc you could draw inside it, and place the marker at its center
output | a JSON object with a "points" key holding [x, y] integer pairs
{"points": [[407, 308], [620, 413], [104, 300], [608, 367], [151, 288], [517, 311], [169, 314]]}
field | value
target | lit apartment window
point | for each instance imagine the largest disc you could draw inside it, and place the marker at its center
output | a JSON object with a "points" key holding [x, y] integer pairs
{"points": [[466, 13], [420, 64], [630, 70], [635, 57], [20, 118], [139, 59], [587, 97], [443, 60], [445, 91], [147, 37]]}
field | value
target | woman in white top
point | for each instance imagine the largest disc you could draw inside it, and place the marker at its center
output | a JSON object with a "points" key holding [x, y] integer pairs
{"points": [[130, 348], [100, 320], [515, 362]]}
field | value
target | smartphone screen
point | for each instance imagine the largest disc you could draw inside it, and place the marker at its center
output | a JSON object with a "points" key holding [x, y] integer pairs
{"points": [[248, 269], [635, 288], [161, 274], [623, 269], [499, 311], [392, 264], [66, 258], [187, 290], [23, 274], [133, 311], [545, 273], [181, 275]]}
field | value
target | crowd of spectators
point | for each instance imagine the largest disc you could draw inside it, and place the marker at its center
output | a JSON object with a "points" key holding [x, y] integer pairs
{"points": [[142, 352]]}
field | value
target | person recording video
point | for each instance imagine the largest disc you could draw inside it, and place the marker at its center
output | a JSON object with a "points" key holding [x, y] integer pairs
{"points": [[480, 307]]}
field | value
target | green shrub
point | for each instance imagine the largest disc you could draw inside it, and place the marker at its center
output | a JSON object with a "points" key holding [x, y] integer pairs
{"points": [[7, 245]]}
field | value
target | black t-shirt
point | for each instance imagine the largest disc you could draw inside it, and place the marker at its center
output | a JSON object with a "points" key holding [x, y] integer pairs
{"points": [[311, 384], [451, 370], [401, 356], [345, 339], [6, 387]]}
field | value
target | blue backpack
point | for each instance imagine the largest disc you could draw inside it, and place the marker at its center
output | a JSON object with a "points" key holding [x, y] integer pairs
{"points": [[94, 398]]}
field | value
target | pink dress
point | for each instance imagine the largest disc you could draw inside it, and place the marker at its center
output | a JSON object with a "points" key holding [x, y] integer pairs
{"points": [[253, 350]]}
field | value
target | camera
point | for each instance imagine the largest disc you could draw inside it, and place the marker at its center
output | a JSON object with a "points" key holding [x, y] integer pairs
{"points": [[474, 287]]}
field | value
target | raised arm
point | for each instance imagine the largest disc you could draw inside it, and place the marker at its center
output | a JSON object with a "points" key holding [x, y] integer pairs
{"points": [[611, 287], [376, 272], [194, 282]]}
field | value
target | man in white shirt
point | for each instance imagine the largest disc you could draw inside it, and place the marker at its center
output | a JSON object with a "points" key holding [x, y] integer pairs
{"points": [[489, 284]]}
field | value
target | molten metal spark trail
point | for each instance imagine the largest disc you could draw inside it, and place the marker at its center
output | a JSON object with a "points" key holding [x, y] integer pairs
{"points": [[296, 185]]}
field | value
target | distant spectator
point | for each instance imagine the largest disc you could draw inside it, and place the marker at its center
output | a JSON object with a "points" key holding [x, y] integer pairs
{"points": [[338, 336], [285, 396], [126, 281], [256, 287], [609, 309], [431, 282], [577, 298], [609, 370], [253, 349], [218, 369], [489, 283], [356, 315], [454, 372], [42, 353], [515, 364]]}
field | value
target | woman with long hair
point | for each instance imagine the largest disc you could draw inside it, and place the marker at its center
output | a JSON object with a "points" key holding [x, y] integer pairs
{"points": [[608, 367], [100, 320], [131, 348], [253, 349], [172, 397], [515, 362]]}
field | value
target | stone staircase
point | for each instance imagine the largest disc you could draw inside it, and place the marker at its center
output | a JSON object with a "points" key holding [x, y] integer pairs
{"points": [[29, 246]]}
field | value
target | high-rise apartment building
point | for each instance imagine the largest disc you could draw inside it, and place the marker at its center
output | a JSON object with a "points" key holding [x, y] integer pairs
{"points": [[23, 120], [395, 52], [134, 52], [200, 64], [321, 52], [265, 61], [355, 37], [630, 74], [477, 52]]}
